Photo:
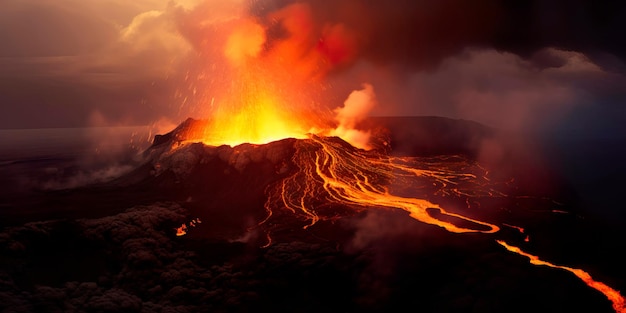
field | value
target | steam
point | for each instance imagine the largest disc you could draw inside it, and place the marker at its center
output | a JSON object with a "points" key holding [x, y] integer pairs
{"points": [[355, 110], [83, 177]]}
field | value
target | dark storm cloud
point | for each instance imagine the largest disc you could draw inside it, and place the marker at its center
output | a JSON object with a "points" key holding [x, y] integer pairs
{"points": [[418, 33], [586, 26]]}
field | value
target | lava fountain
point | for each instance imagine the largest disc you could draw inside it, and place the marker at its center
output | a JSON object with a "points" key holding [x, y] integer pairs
{"points": [[261, 90], [253, 111]]}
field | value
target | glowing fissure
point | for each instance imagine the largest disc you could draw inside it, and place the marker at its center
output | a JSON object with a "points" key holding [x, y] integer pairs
{"points": [[619, 303]]}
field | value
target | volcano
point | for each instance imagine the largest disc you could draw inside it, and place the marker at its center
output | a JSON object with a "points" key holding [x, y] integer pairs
{"points": [[440, 215]]}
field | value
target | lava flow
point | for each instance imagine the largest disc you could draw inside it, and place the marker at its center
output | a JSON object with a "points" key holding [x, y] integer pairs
{"points": [[619, 303], [330, 174]]}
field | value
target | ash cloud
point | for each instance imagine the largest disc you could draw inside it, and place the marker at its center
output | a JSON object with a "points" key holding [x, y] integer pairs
{"points": [[421, 34]]}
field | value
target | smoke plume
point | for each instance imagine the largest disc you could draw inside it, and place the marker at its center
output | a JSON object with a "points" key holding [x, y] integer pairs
{"points": [[355, 109]]}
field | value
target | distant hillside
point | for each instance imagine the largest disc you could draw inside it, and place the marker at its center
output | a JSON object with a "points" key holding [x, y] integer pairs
{"points": [[431, 135]]}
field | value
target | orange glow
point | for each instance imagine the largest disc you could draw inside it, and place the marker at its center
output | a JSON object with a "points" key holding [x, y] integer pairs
{"points": [[619, 304], [246, 41], [520, 229], [258, 119], [263, 101], [182, 230]]}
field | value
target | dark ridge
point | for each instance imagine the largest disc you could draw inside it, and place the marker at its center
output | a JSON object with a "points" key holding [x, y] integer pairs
{"points": [[431, 135]]}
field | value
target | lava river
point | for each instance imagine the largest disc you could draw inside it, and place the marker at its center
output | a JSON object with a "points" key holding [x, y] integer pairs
{"points": [[333, 174]]}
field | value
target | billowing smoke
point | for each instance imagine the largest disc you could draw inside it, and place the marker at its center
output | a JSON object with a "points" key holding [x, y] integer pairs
{"points": [[355, 109]]}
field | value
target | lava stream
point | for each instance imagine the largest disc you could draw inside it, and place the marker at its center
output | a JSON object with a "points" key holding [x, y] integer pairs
{"points": [[357, 178], [619, 304]]}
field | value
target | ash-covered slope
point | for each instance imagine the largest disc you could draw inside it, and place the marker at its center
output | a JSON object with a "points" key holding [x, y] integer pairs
{"points": [[222, 185], [196, 174]]}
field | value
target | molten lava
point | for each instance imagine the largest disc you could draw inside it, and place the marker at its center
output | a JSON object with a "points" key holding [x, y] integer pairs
{"points": [[619, 303], [332, 174], [182, 230]]}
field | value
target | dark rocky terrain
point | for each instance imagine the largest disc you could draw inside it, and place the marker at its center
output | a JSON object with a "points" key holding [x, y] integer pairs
{"points": [[111, 245]]}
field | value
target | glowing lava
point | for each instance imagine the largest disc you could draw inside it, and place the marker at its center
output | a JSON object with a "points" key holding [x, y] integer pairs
{"points": [[182, 230], [619, 303], [258, 120], [261, 89], [332, 174]]}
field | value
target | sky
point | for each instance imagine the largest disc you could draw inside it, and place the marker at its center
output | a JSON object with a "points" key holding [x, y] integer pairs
{"points": [[531, 66]]}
